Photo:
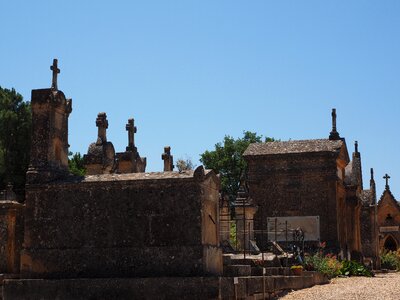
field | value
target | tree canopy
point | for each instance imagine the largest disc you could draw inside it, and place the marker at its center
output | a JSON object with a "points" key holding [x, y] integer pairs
{"points": [[227, 160], [75, 164], [15, 138]]}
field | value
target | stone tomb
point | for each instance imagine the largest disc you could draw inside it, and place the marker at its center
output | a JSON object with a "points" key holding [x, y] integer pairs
{"points": [[125, 225], [107, 226]]}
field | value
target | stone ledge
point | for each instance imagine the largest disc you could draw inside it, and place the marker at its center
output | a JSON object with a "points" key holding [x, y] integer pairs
{"points": [[115, 288]]}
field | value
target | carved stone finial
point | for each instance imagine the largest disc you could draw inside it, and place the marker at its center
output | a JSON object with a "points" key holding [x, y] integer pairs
{"points": [[334, 135], [168, 159], [386, 177], [56, 71], [372, 174], [102, 124], [356, 147], [131, 128]]}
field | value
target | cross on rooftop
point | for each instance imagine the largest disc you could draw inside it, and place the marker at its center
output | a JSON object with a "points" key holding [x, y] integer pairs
{"points": [[168, 159], [386, 177], [56, 71], [131, 128], [102, 125]]}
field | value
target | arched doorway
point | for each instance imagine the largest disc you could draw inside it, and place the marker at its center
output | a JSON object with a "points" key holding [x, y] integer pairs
{"points": [[390, 244]]}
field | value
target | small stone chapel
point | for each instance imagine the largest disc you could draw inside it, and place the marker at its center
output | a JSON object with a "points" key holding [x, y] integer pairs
{"points": [[313, 183], [388, 219]]}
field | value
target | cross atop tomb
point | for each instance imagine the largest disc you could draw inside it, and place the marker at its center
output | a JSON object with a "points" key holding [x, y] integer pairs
{"points": [[131, 128], [386, 177], [168, 159], [334, 135], [102, 124], [56, 71]]}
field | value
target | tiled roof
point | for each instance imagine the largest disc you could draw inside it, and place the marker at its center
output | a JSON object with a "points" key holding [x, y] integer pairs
{"points": [[141, 176], [303, 146]]}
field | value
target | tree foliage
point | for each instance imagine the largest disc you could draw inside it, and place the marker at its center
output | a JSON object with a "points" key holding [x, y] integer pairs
{"points": [[75, 164], [15, 138], [227, 160]]}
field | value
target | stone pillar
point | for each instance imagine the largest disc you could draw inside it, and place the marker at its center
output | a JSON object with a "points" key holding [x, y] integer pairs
{"points": [[49, 150]]}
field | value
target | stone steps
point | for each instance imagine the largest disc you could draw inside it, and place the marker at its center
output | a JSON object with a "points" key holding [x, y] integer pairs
{"points": [[252, 286], [237, 270]]}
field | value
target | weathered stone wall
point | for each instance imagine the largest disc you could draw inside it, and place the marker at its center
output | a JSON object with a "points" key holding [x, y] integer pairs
{"points": [[11, 235], [143, 224], [296, 185]]}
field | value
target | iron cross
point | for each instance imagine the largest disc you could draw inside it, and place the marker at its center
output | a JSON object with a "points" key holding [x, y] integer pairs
{"points": [[386, 177], [56, 71]]}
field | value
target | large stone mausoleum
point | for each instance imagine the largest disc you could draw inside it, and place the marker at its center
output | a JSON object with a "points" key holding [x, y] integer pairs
{"points": [[118, 222]]}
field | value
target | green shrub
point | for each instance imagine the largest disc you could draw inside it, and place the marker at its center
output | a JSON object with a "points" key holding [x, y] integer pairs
{"points": [[353, 268], [390, 259], [332, 267]]}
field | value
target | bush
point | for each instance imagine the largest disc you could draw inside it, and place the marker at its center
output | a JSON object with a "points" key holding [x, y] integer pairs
{"points": [[332, 267], [390, 259], [353, 268], [328, 264]]}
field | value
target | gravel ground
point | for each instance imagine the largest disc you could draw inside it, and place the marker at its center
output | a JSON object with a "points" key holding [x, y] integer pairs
{"points": [[383, 287]]}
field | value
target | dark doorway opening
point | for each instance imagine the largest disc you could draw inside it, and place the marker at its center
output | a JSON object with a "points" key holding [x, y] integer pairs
{"points": [[390, 244]]}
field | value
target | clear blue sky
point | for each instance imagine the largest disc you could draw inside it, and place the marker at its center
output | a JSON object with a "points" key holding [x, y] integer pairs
{"points": [[190, 72]]}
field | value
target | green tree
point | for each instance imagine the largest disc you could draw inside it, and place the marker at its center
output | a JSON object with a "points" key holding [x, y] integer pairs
{"points": [[15, 139], [227, 160], [75, 164]]}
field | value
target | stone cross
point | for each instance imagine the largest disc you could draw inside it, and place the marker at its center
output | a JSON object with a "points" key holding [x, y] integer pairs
{"points": [[334, 119], [168, 159], [386, 177], [334, 135], [131, 128], [56, 71], [102, 124]]}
